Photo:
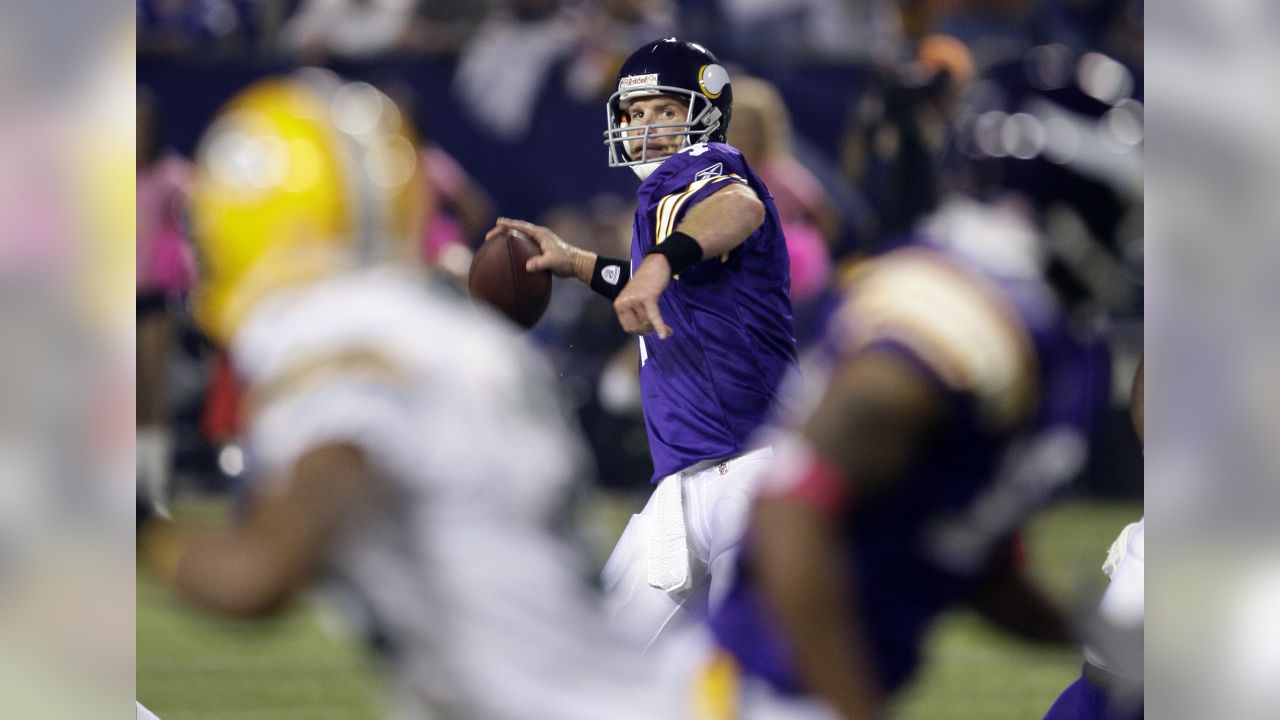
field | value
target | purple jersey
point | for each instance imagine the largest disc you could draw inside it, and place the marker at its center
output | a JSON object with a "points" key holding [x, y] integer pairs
{"points": [[709, 387], [1021, 390]]}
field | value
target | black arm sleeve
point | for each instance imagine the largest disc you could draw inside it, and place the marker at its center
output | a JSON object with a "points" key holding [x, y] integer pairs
{"points": [[609, 276]]}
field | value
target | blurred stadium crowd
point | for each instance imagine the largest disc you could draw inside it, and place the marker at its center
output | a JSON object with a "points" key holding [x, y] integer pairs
{"points": [[860, 115]]}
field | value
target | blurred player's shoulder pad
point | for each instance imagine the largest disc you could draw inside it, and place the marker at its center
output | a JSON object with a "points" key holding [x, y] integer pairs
{"points": [[416, 378], [949, 319]]}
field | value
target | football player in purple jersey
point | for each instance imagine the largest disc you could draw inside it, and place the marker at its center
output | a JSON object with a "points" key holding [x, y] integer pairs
{"points": [[960, 380], [707, 290]]}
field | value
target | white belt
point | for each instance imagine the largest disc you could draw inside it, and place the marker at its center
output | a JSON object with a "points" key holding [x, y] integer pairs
{"points": [[724, 464]]}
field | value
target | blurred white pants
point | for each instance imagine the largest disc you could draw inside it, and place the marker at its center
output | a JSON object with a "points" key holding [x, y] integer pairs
{"points": [[1123, 602], [675, 559]]}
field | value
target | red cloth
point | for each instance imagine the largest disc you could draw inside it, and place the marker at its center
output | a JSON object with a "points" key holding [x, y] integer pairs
{"points": [[221, 419]]}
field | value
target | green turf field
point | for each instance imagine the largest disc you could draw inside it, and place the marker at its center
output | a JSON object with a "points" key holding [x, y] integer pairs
{"points": [[303, 667]]}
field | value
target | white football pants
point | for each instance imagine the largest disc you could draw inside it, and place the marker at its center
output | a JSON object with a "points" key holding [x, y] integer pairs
{"points": [[675, 559], [1124, 601]]}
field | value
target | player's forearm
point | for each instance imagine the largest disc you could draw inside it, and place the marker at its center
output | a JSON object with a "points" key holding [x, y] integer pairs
{"points": [[873, 420], [229, 575], [223, 573], [262, 563], [800, 564], [724, 220]]}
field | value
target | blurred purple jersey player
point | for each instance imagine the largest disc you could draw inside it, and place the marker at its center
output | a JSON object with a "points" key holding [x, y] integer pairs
{"points": [[963, 376], [956, 399], [707, 289]]}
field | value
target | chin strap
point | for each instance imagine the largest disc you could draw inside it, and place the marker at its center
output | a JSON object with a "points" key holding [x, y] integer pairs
{"points": [[644, 170]]}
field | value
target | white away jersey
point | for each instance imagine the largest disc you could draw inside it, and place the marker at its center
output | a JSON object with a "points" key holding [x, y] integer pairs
{"points": [[487, 609]]}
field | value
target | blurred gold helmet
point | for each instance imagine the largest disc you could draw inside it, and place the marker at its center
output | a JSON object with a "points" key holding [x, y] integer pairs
{"points": [[299, 178]]}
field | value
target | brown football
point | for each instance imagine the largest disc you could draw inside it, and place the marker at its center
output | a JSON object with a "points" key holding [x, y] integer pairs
{"points": [[498, 278]]}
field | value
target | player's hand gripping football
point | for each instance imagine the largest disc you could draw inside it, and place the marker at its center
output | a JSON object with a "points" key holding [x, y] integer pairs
{"points": [[637, 304], [558, 256]]}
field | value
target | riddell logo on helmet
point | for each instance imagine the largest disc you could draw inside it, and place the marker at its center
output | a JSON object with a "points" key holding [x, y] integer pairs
{"points": [[637, 81]]}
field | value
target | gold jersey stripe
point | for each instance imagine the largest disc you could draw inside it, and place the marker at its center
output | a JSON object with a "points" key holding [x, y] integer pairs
{"points": [[669, 206], [960, 325], [716, 689], [362, 364], [664, 217]]}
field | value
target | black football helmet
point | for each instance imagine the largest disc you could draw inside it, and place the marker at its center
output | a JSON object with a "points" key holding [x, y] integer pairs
{"points": [[669, 67]]}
